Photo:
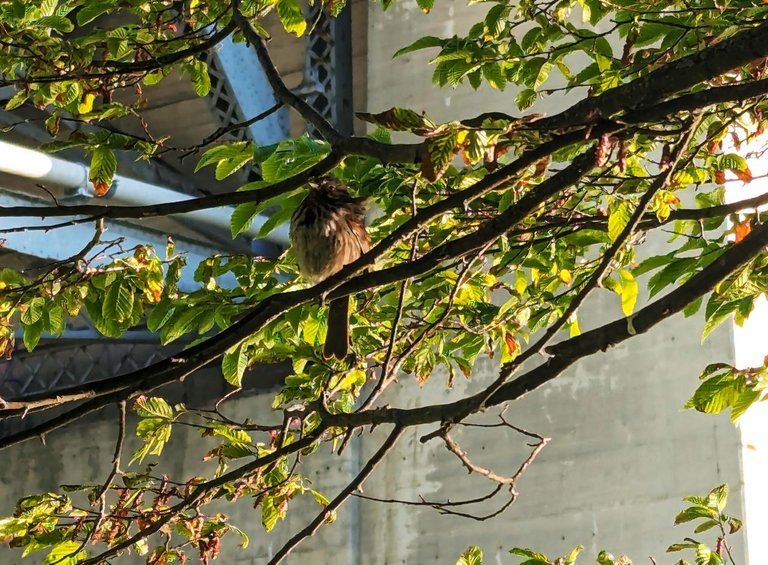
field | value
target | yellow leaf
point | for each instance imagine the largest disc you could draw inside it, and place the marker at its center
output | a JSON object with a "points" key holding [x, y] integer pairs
{"points": [[86, 105]]}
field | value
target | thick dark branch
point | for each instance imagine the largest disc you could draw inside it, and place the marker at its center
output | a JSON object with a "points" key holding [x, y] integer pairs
{"points": [[567, 352], [710, 62], [698, 100], [82, 410], [719, 211], [200, 355]]}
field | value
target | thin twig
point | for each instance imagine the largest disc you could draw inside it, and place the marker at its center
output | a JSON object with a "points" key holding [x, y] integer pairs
{"points": [[356, 483]]}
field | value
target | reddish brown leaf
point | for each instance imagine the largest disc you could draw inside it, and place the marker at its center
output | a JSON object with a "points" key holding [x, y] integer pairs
{"points": [[622, 157], [720, 177], [742, 230], [541, 166], [512, 346], [100, 188], [6, 347], [744, 176], [603, 150]]}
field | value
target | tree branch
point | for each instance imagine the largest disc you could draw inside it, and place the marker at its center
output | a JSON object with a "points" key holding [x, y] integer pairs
{"points": [[356, 483], [715, 60], [386, 153]]}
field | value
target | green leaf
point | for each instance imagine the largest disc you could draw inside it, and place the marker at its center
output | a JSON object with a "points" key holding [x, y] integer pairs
{"points": [[526, 98], [473, 555], [156, 432], [620, 214], [93, 9], [400, 119], [235, 151], [233, 365], [293, 157], [269, 513], [201, 80], [425, 5], [715, 394], [32, 334], [153, 406], [681, 547], [439, 152], [718, 497], [733, 162], [422, 43], [244, 540], [574, 554], [495, 20], [743, 402], [53, 320], [160, 314], [153, 77], [242, 217], [183, 322], [493, 76], [16, 100], [717, 311], [33, 312], [704, 526], [66, 553], [542, 75], [56, 23], [291, 16], [694, 513], [530, 554], [629, 291], [103, 169], [118, 302]]}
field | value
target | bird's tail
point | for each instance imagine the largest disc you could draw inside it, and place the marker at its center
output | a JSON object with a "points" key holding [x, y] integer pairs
{"points": [[337, 336]]}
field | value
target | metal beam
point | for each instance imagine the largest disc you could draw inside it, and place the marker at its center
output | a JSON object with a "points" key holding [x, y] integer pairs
{"points": [[62, 243], [252, 92], [20, 161]]}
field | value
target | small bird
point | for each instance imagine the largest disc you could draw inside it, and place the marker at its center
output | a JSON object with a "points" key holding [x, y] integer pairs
{"points": [[327, 233]]}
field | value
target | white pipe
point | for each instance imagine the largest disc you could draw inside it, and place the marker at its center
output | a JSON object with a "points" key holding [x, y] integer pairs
{"points": [[22, 162], [28, 163]]}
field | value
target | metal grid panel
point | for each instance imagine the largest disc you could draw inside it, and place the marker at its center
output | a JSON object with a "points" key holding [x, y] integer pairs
{"points": [[328, 67], [58, 366], [319, 66], [222, 100]]}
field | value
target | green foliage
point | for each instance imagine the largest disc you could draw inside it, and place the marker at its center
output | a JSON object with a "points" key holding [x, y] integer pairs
{"points": [[724, 386], [493, 232], [472, 556], [708, 508]]}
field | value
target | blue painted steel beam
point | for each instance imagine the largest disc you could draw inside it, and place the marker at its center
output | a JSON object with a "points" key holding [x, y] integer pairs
{"points": [[62, 243], [252, 92]]}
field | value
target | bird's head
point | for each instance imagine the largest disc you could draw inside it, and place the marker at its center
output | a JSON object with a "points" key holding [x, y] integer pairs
{"points": [[329, 185]]}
